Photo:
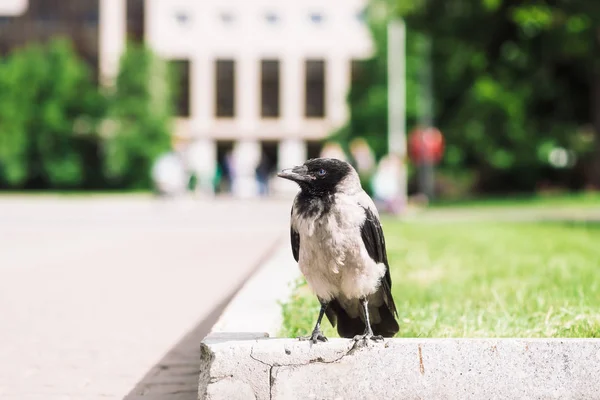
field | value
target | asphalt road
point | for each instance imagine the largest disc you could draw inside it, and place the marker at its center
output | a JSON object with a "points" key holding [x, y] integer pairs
{"points": [[109, 297]]}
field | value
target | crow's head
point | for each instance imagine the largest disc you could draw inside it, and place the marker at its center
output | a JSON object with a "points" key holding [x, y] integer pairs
{"points": [[322, 176]]}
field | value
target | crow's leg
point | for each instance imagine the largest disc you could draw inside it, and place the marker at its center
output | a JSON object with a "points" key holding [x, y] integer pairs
{"points": [[317, 335], [368, 330]]}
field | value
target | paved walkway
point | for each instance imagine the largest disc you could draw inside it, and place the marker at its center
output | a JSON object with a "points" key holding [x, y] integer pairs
{"points": [[106, 298]]}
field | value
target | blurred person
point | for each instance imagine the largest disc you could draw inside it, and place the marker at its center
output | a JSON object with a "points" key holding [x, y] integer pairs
{"points": [[363, 159], [386, 184], [218, 178], [333, 150], [169, 175], [229, 171], [201, 167], [262, 175], [362, 155]]}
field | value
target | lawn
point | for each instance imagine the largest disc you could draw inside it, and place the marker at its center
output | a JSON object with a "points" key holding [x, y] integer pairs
{"points": [[578, 200], [484, 279]]}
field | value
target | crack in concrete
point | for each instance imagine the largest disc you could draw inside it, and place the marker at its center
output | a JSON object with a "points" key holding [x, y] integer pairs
{"points": [[270, 371], [355, 346], [216, 379], [207, 357], [320, 360]]}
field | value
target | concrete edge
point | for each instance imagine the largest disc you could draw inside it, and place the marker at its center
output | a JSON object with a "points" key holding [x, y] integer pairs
{"points": [[256, 306], [251, 366]]}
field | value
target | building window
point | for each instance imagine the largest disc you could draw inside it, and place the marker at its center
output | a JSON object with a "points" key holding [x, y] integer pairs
{"points": [[225, 88], [315, 89], [49, 11], [313, 149], [270, 88], [181, 71], [357, 69], [42, 20], [135, 20]]}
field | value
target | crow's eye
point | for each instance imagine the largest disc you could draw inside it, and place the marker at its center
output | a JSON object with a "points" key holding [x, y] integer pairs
{"points": [[321, 172]]}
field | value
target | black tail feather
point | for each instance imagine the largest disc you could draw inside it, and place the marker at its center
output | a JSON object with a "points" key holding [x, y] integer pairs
{"points": [[348, 327], [388, 326]]}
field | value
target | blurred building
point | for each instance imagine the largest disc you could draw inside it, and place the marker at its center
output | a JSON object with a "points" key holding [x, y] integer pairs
{"points": [[258, 77], [26, 21]]}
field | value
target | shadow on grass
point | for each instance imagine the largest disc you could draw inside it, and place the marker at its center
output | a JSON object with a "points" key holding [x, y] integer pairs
{"points": [[583, 199], [575, 224]]}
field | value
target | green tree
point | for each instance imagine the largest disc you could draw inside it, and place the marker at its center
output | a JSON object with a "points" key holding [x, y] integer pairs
{"points": [[18, 85], [69, 105], [46, 92], [138, 128], [513, 80], [367, 98]]}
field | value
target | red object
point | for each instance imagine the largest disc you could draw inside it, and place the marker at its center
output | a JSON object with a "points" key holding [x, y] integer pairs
{"points": [[426, 144]]}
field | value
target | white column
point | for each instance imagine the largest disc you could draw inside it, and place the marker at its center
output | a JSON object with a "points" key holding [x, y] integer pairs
{"points": [[246, 155], [292, 94], [337, 84], [112, 36], [397, 107], [247, 93], [202, 96], [291, 152], [13, 8]]}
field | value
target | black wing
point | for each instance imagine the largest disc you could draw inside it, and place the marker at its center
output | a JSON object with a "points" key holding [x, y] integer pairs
{"points": [[372, 236], [295, 237]]}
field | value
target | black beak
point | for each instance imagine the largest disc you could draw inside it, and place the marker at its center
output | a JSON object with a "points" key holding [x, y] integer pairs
{"points": [[296, 174]]}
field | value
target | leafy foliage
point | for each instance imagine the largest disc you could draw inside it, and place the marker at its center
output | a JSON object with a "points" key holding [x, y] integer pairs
{"points": [[52, 115], [17, 90], [368, 94], [138, 126], [512, 81], [46, 99]]}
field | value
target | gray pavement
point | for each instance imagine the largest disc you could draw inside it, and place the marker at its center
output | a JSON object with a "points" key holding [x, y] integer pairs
{"points": [[109, 297]]}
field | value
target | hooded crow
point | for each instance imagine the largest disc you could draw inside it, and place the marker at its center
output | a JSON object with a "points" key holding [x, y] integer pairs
{"points": [[338, 243]]}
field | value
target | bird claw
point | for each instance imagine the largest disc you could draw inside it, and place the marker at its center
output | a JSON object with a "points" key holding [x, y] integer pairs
{"points": [[317, 336], [368, 336]]}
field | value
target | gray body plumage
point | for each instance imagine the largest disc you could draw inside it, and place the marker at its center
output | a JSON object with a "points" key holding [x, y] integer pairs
{"points": [[333, 257], [339, 245]]}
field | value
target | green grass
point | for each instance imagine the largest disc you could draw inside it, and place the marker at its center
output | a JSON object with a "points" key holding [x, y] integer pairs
{"points": [[582, 199], [484, 279]]}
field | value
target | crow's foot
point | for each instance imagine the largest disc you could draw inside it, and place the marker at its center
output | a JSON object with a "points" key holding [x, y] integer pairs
{"points": [[368, 336], [317, 336]]}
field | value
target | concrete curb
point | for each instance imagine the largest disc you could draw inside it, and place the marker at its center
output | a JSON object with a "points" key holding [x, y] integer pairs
{"points": [[252, 366], [256, 305]]}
